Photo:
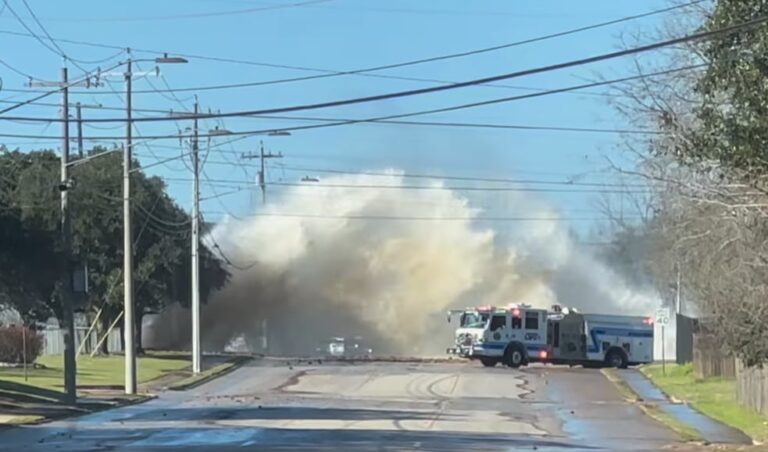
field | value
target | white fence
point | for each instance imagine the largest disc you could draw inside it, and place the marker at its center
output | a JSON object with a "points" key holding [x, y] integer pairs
{"points": [[54, 340]]}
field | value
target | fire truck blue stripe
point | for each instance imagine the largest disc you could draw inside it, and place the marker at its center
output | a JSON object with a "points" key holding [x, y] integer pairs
{"points": [[614, 332], [503, 345]]}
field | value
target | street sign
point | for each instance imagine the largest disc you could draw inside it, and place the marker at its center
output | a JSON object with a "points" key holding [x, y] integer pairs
{"points": [[661, 317]]}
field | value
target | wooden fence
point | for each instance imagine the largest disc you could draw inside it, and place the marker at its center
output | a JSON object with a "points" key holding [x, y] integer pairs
{"points": [[752, 388], [709, 360], [751, 382]]}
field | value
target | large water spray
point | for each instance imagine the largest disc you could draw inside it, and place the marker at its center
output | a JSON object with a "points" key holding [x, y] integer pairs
{"points": [[329, 259]]}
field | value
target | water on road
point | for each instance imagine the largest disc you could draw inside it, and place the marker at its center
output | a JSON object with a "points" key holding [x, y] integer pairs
{"points": [[275, 404]]}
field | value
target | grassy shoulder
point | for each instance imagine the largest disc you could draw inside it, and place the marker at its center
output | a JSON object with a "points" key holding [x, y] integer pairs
{"points": [[686, 432], [97, 371], [715, 397]]}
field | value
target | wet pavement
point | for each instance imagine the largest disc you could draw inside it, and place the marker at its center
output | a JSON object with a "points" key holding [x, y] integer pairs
{"points": [[271, 405], [709, 429]]}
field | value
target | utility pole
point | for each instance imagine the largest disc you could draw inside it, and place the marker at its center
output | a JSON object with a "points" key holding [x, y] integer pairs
{"points": [[196, 355], [79, 119], [70, 369], [678, 300], [66, 288], [128, 317], [262, 156]]}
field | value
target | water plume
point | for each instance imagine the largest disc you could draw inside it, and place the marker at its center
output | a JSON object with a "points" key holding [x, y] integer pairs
{"points": [[328, 259]]}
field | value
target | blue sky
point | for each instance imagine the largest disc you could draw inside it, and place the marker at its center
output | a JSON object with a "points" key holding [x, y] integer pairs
{"points": [[345, 35]]}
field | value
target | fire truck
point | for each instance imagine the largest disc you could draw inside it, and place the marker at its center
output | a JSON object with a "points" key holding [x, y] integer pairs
{"points": [[471, 320], [520, 334]]}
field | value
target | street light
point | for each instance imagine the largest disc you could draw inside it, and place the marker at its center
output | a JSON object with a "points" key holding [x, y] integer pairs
{"points": [[128, 316], [165, 59], [217, 132], [220, 131]]}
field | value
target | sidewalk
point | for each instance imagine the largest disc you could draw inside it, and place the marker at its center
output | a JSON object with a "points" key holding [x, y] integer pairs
{"points": [[707, 428], [39, 400]]}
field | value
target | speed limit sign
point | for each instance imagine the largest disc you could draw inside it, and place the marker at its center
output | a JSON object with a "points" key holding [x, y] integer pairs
{"points": [[661, 316]]}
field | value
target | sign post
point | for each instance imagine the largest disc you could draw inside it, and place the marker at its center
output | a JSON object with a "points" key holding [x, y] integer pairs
{"points": [[661, 317]]}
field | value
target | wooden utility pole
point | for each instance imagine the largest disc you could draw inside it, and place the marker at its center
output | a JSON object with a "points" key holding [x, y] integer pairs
{"points": [[66, 288], [79, 119], [196, 351], [262, 156]]}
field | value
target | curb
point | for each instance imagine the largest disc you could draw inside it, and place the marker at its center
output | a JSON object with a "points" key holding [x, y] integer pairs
{"points": [[235, 364]]}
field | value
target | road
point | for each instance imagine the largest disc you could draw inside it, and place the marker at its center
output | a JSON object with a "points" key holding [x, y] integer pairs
{"points": [[274, 404]]}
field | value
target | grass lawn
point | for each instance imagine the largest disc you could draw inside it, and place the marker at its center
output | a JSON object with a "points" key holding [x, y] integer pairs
{"points": [[715, 397], [102, 371]]}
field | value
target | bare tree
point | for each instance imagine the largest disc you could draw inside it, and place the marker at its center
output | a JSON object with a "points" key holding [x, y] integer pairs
{"points": [[700, 214]]}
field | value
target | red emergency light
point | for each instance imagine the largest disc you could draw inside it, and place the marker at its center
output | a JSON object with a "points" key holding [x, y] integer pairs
{"points": [[516, 312], [543, 354], [648, 321]]}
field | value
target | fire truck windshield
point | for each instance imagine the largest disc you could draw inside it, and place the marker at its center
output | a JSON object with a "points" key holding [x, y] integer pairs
{"points": [[473, 319]]}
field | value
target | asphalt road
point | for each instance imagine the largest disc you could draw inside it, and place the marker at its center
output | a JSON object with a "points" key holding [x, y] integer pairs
{"points": [[269, 404]]}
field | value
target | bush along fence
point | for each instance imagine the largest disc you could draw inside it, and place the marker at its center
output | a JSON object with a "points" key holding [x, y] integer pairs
{"points": [[20, 344]]}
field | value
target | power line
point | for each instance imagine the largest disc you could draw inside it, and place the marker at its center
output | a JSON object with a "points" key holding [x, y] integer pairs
{"points": [[245, 134], [344, 157], [162, 221], [45, 31], [326, 73], [86, 77], [216, 194], [438, 188], [26, 27], [226, 258], [201, 15], [458, 178], [446, 177], [15, 70], [418, 218], [609, 186], [414, 123], [58, 50], [375, 119], [473, 82], [249, 185], [185, 154], [474, 125]]}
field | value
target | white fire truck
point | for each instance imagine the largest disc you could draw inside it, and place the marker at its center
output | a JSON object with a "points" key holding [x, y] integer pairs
{"points": [[519, 334], [471, 320]]}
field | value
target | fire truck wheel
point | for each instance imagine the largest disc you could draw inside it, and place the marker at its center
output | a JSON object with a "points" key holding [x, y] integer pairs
{"points": [[489, 362], [616, 358], [514, 355]]}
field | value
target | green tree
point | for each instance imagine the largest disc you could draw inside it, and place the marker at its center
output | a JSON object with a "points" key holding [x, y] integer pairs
{"points": [[27, 251], [161, 233], [707, 169], [734, 97]]}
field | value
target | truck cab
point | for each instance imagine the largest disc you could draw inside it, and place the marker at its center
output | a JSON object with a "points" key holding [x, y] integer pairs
{"points": [[472, 321], [515, 336]]}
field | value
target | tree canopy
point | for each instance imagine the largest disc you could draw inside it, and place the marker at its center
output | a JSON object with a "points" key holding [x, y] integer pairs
{"points": [[706, 170], [30, 243]]}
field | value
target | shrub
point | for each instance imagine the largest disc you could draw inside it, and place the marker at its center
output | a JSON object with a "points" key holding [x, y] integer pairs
{"points": [[12, 344]]}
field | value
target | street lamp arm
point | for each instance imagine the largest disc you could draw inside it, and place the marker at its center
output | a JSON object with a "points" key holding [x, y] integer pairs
{"points": [[91, 157]]}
